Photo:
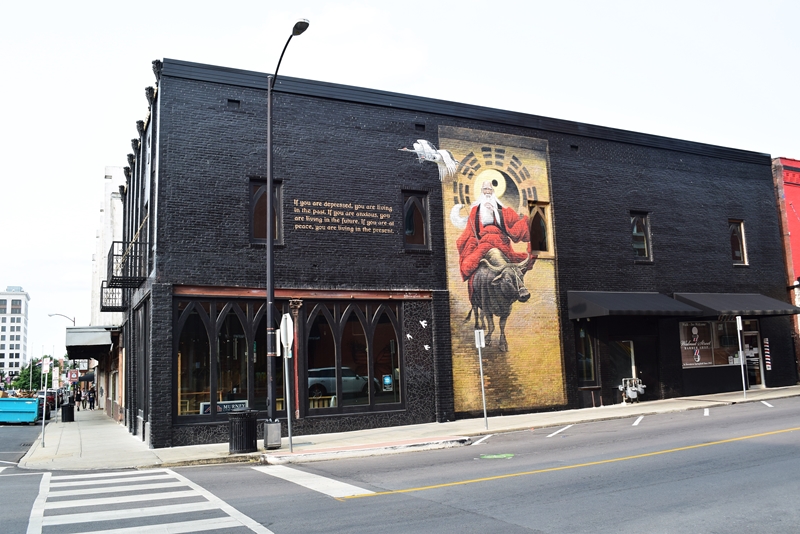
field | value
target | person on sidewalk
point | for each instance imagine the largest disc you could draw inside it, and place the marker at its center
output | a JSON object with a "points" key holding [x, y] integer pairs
{"points": [[91, 399], [84, 398], [78, 399]]}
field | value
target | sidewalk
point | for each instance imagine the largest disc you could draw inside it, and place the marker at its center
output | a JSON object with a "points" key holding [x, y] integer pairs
{"points": [[94, 441]]}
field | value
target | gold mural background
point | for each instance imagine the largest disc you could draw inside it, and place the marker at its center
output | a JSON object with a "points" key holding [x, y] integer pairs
{"points": [[530, 374]]}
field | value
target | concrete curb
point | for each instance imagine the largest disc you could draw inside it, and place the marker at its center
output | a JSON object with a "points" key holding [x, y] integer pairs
{"points": [[363, 451]]}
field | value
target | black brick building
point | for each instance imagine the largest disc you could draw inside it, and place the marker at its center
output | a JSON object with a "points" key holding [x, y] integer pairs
{"points": [[626, 245]]}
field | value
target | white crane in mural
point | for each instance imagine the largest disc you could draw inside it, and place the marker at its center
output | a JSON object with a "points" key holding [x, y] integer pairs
{"points": [[443, 158]]}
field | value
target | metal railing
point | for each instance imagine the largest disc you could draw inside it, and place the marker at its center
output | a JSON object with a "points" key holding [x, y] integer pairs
{"points": [[111, 298], [127, 264]]}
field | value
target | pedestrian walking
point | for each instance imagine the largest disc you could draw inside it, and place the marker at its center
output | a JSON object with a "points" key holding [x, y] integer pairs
{"points": [[84, 399], [78, 399], [91, 399]]}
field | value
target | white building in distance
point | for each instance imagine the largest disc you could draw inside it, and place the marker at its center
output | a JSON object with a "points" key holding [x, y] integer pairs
{"points": [[13, 330]]}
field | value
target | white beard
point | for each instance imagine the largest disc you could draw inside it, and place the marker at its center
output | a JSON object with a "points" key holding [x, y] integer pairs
{"points": [[488, 210]]}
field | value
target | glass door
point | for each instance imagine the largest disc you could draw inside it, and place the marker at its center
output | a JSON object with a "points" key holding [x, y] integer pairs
{"points": [[622, 362], [751, 347]]}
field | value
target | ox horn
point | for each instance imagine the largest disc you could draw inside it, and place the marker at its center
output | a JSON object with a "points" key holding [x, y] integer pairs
{"points": [[493, 268], [523, 263]]}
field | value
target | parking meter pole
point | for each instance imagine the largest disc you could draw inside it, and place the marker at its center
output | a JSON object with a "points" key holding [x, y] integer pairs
{"points": [[480, 342], [741, 356], [287, 336], [288, 398]]}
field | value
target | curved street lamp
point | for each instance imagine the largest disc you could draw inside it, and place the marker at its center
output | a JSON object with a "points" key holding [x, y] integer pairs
{"points": [[299, 27], [64, 316]]}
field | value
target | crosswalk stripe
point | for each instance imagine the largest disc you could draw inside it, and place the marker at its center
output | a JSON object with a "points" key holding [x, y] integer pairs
{"points": [[327, 486], [74, 483], [119, 500], [129, 513], [115, 489], [131, 473], [174, 528]]}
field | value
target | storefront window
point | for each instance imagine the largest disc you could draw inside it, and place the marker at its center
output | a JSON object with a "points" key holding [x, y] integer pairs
{"points": [[386, 363], [194, 370], [355, 387], [712, 343], [231, 365], [586, 355], [321, 347]]}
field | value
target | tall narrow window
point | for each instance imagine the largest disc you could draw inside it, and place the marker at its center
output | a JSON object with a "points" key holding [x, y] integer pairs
{"points": [[640, 236], [258, 211], [539, 235], [415, 221], [738, 250], [585, 348]]}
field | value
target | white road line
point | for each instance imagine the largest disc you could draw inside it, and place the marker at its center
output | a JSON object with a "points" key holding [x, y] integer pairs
{"points": [[765, 403], [115, 489], [559, 431], [327, 486], [37, 511], [10, 463], [253, 525], [174, 528], [2, 469], [130, 513], [119, 500], [126, 480], [109, 475], [484, 438], [639, 420], [705, 412]]}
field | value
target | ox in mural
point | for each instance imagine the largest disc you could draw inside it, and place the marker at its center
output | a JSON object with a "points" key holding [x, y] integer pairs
{"points": [[493, 270]]}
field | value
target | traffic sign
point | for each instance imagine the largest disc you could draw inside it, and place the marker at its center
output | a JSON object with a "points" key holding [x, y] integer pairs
{"points": [[287, 333]]}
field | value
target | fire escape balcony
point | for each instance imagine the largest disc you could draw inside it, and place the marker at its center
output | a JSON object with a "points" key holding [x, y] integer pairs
{"points": [[111, 298], [127, 264]]}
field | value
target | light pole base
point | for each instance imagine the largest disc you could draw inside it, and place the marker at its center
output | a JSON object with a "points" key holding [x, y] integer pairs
{"points": [[272, 435]]}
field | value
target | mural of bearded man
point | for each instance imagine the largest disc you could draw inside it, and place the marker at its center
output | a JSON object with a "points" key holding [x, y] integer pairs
{"points": [[491, 225]]}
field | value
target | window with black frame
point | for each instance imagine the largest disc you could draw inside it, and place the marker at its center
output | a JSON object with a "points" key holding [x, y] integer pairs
{"points": [[540, 241], [353, 356], [585, 347], [640, 236], [738, 250], [258, 211], [415, 221]]}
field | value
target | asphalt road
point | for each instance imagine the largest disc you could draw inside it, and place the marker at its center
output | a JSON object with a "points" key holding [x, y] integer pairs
{"points": [[731, 469]]}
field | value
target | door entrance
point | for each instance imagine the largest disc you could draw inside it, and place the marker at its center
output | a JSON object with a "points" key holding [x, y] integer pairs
{"points": [[751, 347]]}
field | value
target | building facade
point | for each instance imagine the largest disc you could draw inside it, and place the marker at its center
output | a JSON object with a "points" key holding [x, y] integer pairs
{"points": [[13, 330], [587, 255]]}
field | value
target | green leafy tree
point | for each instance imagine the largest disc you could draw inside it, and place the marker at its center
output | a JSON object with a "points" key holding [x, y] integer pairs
{"points": [[24, 380]]}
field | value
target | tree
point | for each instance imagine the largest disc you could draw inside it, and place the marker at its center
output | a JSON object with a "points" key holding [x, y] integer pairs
{"points": [[24, 380]]}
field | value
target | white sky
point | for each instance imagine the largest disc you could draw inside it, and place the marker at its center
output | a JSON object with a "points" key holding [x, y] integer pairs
{"points": [[719, 72]]}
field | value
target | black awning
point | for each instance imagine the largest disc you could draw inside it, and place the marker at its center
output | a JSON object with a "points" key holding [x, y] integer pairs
{"points": [[88, 377], [719, 304], [601, 303]]}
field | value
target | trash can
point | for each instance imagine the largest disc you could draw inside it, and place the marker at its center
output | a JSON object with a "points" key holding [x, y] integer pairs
{"points": [[242, 433], [67, 413]]}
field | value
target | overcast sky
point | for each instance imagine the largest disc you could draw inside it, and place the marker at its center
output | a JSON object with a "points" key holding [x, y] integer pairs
{"points": [[718, 72]]}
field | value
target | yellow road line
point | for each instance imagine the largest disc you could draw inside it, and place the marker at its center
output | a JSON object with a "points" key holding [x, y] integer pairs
{"points": [[564, 467]]}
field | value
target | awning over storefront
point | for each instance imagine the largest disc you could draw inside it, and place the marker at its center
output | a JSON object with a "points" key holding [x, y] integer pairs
{"points": [[87, 336], [584, 304], [730, 304], [88, 377]]}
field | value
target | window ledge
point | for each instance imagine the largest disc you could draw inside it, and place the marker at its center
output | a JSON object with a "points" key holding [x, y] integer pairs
{"points": [[741, 265], [643, 262], [417, 251]]}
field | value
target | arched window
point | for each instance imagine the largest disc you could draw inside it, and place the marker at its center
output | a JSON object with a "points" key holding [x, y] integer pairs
{"points": [[231, 360], [538, 230], [194, 365], [258, 211], [386, 362], [738, 253], [355, 385], [415, 220], [640, 236], [321, 351]]}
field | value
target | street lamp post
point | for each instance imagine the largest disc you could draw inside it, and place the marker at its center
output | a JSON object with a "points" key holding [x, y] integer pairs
{"points": [[299, 27], [64, 316]]}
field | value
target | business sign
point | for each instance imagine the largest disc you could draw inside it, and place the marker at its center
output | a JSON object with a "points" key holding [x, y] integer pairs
{"points": [[388, 384], [696, 340], [73, 375], [222, 406]]}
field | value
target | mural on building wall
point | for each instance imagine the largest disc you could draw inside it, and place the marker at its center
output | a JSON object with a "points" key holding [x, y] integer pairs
{"points": [[501, 270]]}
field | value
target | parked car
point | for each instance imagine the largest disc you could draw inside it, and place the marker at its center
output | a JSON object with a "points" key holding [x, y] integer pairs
{"points": [[322, 382], [51, 397]]}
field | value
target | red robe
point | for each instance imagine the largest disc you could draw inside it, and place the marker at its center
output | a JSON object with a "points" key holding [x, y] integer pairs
{"points": [[476, 239]]}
